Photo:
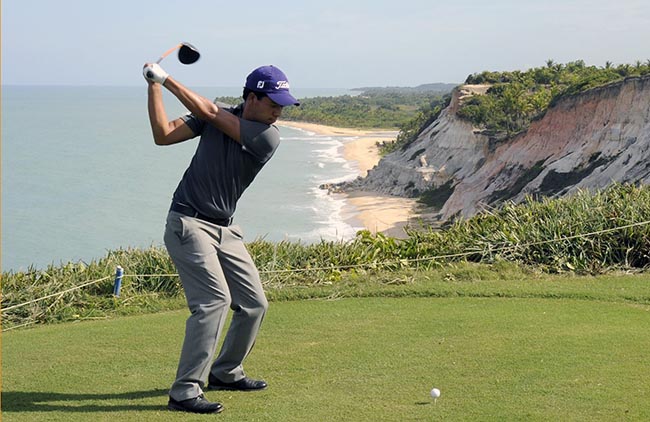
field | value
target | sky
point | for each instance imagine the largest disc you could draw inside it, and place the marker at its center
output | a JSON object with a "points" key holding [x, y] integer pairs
{"points": [[319, 44]]}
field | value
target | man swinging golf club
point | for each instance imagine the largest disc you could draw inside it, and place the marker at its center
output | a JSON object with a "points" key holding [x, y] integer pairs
{"points": [[215, 268]]}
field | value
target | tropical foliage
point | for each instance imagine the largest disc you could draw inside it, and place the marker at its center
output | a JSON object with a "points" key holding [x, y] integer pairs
{"points": [[370, 111], [516, 98]]}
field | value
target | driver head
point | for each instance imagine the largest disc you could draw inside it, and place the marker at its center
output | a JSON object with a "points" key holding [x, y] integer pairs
{"points": [[188, 54]]}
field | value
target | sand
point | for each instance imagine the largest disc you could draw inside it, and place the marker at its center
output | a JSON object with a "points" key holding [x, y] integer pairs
{"points": [[375, 212]]}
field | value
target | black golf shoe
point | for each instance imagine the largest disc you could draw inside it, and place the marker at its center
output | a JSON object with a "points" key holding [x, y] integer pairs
{"points": [[196, 405], [244, 384]]}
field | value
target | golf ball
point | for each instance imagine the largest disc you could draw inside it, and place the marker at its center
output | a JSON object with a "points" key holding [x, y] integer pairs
{"points": [[435, 393]]}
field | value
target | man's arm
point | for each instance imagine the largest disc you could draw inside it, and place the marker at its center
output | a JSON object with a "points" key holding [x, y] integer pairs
{"points": [[205, 109], [164, 132], [167, 133]]}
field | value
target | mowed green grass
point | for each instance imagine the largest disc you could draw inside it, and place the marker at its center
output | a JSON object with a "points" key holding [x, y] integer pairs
{"points": [[358, 359]]}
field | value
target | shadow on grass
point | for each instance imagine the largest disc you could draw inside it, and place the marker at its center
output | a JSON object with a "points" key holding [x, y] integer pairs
{"points": [[27, 401]]}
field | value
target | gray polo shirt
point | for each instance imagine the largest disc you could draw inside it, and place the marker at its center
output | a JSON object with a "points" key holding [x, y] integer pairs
{"points": [[222, 168]]}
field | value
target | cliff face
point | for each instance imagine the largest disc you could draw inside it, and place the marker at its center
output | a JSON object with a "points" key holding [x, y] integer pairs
{"points": [[586, 141]]}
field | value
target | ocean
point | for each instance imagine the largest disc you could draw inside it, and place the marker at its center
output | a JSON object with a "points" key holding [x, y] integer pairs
{"points": [[82, 176]]}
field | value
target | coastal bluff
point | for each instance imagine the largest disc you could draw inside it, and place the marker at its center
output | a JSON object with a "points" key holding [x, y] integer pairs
{"points": [[583, 141]]}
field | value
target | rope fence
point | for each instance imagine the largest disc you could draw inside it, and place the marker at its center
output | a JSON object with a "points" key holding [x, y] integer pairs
{"points": [[119, 273], [81, 286]]}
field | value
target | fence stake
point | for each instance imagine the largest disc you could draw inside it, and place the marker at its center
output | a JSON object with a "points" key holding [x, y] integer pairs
{"points": [[118, 281]]}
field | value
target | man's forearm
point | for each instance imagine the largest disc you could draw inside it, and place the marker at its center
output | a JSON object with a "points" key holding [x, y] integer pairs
{"points": [[157, 114]]}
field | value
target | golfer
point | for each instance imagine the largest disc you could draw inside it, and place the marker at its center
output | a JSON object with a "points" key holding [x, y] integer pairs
{"points": [[215, 268]]}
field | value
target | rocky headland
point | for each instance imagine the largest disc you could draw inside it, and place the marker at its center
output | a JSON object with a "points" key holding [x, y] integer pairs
{"points": [[584, 141]]}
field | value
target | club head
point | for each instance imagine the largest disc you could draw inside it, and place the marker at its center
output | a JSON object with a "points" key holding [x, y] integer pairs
{"points": [[188, 54]]}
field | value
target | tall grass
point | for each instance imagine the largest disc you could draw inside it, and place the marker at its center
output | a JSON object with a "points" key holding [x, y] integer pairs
{"points": [[581, 233], [587, 232]]}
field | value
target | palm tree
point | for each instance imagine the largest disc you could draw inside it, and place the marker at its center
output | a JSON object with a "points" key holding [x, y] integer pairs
{"points": [[623, 70]]}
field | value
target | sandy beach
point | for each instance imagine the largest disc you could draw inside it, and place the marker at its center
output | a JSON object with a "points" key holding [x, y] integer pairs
{"points": [[375, 212]]}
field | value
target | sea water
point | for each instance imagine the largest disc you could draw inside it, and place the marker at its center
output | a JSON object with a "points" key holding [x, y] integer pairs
{"points": [[81, 176]]}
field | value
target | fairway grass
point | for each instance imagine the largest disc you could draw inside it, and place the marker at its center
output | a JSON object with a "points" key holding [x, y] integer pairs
{"points": [[495, 357]]}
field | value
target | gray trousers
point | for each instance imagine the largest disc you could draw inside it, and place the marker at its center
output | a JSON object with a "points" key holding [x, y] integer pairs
{"points": [[217, 273]]}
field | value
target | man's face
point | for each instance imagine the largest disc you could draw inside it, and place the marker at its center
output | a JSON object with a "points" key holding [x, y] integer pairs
{"points": [[263, 111]]}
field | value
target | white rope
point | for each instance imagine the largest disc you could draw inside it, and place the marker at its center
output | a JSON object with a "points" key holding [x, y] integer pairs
{"points": [[18, 326], [57, 294], [149, 275]]}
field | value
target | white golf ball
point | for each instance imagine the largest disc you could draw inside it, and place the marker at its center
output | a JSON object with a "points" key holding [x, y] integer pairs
{"points": [[435, 393]]}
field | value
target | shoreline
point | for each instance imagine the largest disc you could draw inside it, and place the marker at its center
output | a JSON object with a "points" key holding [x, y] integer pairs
{"points": [[377, 213]]}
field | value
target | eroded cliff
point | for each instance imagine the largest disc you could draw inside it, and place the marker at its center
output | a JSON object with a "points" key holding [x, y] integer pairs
{"points": [[585, 141]]}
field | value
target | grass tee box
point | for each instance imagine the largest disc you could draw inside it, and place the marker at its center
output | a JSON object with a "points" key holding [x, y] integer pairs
{"points": [[363, 359]]}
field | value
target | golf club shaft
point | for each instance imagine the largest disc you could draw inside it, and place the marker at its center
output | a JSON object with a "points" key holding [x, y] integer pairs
{"points": [[165, 54], [168, 52]]}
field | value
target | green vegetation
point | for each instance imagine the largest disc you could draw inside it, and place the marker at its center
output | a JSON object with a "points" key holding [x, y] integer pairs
{"points": [[581, 233], [517, 98], [435, 88], [373, 108], [500, 342]]}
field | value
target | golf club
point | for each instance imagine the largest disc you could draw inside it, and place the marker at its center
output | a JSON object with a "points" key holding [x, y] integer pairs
{"points": [[187, 54]]}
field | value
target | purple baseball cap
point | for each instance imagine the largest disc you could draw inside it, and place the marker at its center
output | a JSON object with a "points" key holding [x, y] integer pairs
{"points": [[273, 82]]}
